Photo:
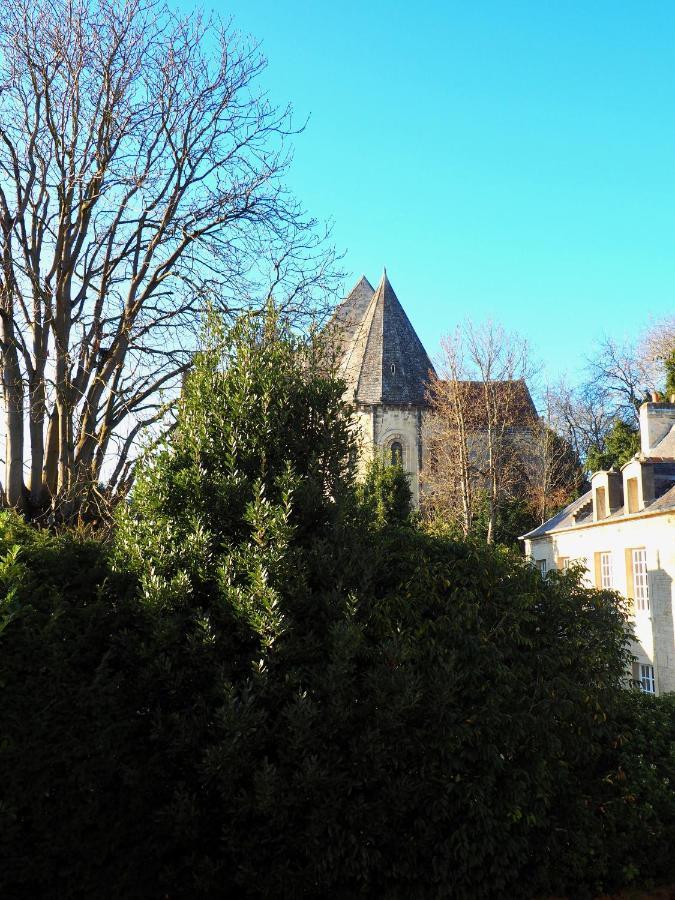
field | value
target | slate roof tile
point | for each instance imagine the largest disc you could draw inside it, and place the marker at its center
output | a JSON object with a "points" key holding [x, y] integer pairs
{"points": [[383, 360]]}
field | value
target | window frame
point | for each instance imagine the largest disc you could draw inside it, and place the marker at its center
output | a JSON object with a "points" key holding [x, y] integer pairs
{"points": [[606, 570], [647, 678], [640, 577], [396, 446]]}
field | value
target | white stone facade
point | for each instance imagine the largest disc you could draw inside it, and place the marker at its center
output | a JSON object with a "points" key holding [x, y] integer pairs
{"points": [[653, 621]]}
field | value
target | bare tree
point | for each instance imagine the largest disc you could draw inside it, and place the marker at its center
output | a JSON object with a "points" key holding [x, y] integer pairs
{"points": [[480, 413], [658, 341], [620, 375], [448, 474], [582, 415], [554, 473], [140, 178], [623, 375]]}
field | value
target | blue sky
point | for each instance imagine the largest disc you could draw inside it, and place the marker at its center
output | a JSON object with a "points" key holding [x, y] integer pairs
{"points": [[506, 160]]}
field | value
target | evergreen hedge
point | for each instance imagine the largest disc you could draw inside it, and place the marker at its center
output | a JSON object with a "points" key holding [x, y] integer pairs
{"points": [[274, 684]]}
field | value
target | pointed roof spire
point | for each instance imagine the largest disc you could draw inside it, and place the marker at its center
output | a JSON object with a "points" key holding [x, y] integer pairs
{"points": [[383, 360], [356, 301], [349, 314]]}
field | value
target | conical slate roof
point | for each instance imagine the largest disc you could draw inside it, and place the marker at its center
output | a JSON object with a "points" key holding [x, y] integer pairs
{"points": [[383, 360], [349, 314]]}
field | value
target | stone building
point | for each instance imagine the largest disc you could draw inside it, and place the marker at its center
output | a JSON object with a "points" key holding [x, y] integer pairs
{"points": [[623, 532], [386, 369]]}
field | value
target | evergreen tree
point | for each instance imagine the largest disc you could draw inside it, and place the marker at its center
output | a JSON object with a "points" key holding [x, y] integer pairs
{"points": [[669, 365], [620, 446]]}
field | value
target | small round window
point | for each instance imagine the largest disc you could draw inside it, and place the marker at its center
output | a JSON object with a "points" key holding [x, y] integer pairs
{"points": [[396, 452]]}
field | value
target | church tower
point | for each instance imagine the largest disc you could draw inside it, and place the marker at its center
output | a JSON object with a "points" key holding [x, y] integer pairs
{"points": [[386, 369]]}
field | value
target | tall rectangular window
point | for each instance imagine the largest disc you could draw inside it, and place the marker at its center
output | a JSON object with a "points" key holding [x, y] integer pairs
{"points": [[640, 579], [606, 580], [647, 679], [541, 565]]}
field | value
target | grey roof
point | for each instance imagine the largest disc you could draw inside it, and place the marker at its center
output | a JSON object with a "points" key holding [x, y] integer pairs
{"points": [[665, 501], [350, 312], [665, 449], [383, 360], [580, 511], [566, 518]]}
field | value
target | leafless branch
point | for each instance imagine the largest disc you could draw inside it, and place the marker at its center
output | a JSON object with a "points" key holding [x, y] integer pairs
{"points": [[141, 180]]}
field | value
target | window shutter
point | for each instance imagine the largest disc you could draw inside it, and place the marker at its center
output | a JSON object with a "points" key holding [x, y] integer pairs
{"points": [[630, 586]]}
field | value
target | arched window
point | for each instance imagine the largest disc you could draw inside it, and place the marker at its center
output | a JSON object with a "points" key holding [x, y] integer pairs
{"points": [[396, 451]]}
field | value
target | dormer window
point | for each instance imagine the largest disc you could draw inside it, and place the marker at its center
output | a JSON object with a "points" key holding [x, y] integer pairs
{"points": [[393, 368]]}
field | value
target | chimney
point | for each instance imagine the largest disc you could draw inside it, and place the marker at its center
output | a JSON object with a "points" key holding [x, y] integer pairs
{"points": [[656, 420]]}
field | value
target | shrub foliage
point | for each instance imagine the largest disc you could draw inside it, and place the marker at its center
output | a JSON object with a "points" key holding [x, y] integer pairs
{"points": [[274, 684]]}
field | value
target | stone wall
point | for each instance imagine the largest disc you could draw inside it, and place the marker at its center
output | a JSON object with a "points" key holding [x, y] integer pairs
{"points": [[381, 425]]}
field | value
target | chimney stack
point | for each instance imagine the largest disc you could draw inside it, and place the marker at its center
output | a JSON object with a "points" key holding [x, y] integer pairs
{"points": [[656, 420]]}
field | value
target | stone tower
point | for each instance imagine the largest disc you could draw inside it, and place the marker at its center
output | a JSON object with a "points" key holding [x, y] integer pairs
{"points": [[386, 369]]}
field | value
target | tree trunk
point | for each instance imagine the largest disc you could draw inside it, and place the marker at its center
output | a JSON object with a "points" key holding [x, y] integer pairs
{"points": [[50, 472], [492, 482], [37, 440], [12, 383]]}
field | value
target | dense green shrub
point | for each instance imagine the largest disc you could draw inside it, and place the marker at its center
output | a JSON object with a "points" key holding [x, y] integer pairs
{"points": [[67, 733], [633, 789], [275, 685], [384, 494]]}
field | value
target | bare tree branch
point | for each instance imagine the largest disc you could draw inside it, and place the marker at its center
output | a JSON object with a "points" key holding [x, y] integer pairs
{"points": [[481, 416], [141, 181]]}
